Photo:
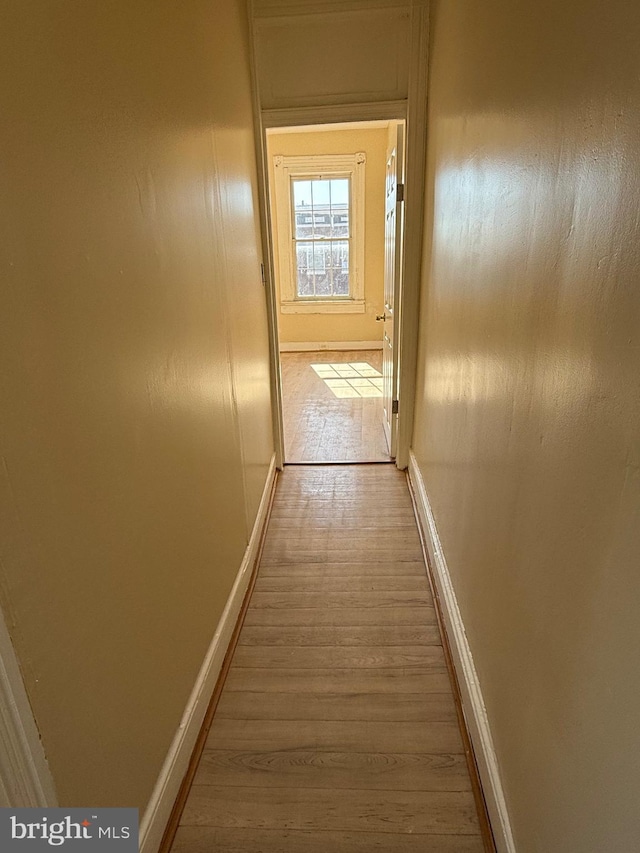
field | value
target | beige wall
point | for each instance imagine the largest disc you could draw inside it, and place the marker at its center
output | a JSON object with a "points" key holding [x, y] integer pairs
{"points": [[529, 408], [342, 327], [135, 430]]}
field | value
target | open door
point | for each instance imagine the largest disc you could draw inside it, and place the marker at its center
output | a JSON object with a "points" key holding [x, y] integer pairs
{"points": [[394, 197]]}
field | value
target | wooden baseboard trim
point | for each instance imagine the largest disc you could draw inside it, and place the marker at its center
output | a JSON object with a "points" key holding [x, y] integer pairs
{"points": [[162, 816], [479, 746], [329, 346]]}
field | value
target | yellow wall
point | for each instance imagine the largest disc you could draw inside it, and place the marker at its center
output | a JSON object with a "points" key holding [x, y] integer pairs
{"points": [[135, 431], [342, 327], [528, 414]]}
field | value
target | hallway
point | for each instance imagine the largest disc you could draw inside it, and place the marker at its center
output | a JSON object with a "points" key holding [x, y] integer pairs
{"points": [[142, 428], [336, 729]]}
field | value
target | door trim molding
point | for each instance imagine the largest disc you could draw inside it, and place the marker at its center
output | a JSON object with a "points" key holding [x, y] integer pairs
{"points": [[414, 111], [25, 777], [266, 237], [334, 114], [473, 704], [176, 763], [329, 346], [410, 280], [293, 8]]}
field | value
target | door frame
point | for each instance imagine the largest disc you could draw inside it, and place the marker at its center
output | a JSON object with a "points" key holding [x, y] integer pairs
{"points": [[414, 111], [393, 282], [25, 777]]}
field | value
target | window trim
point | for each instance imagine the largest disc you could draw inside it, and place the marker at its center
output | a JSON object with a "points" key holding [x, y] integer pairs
{"points": [[319, 166]]}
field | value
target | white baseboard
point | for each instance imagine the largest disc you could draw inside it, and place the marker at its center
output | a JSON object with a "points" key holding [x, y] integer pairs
{"points": [[175, 766], [334, 346], [25, 778], [472, 701]]}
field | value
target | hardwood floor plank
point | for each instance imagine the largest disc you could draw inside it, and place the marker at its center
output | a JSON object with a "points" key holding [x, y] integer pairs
{"points": [[369, 599], [360, 526], [326, 543], [324, 485], [370, 658], [389, 568], [335, 736], [205, 839], [383, 680], [342, 511], [375, 707], [351, 583], [336, 536], [327, 514], [290, 554], [331, 549], [310, 768], [357, 503], [444, 812], [334, 635], [361, 497], [310, 617]]}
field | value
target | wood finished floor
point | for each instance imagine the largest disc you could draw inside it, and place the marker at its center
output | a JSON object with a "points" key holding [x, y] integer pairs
{"points": [[322, 427], [336, 731]]}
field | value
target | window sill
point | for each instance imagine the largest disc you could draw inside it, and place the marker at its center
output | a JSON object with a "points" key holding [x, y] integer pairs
{"points": [[323, 306]]}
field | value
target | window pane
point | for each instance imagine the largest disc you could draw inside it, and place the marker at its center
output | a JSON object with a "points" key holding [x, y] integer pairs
{"points": [[340, 264], [321, 259], [321, 208], [340, 207], [304, 225], [340, 222], [321, 190], [303, 209], [322, 268], [304, 263], [302, 193], [322, 263], [340, 191], [321, 214]]}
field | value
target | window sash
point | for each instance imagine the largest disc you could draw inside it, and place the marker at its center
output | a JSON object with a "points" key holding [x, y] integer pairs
{"points": [[323, 269], [321, 237]]}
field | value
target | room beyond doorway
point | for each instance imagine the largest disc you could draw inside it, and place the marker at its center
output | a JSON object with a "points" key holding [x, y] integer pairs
{"points": [[336, 225], [332, 406]]}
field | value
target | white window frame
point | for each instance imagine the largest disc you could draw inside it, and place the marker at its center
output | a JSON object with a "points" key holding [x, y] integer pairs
{"points": [[314, 167]]}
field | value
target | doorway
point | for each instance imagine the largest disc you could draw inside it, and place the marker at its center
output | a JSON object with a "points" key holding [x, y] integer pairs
{"points": [[336, 224]]}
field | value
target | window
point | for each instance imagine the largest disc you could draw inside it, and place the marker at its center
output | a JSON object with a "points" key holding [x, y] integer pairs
{"points": [[319, 212], [322, 238]]}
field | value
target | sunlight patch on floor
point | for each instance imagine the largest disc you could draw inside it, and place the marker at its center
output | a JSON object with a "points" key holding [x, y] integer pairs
{"points": [[355, 379]]}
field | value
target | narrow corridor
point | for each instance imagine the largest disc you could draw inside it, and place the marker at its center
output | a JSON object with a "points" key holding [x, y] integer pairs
{"points": [[336, 731]]}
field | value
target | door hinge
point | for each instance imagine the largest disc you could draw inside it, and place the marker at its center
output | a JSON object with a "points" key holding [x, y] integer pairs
{"points": [[394, 407], [399, 192]]}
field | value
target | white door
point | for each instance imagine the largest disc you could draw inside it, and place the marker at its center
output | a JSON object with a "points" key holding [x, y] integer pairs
{"points": [[392, 267]]}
